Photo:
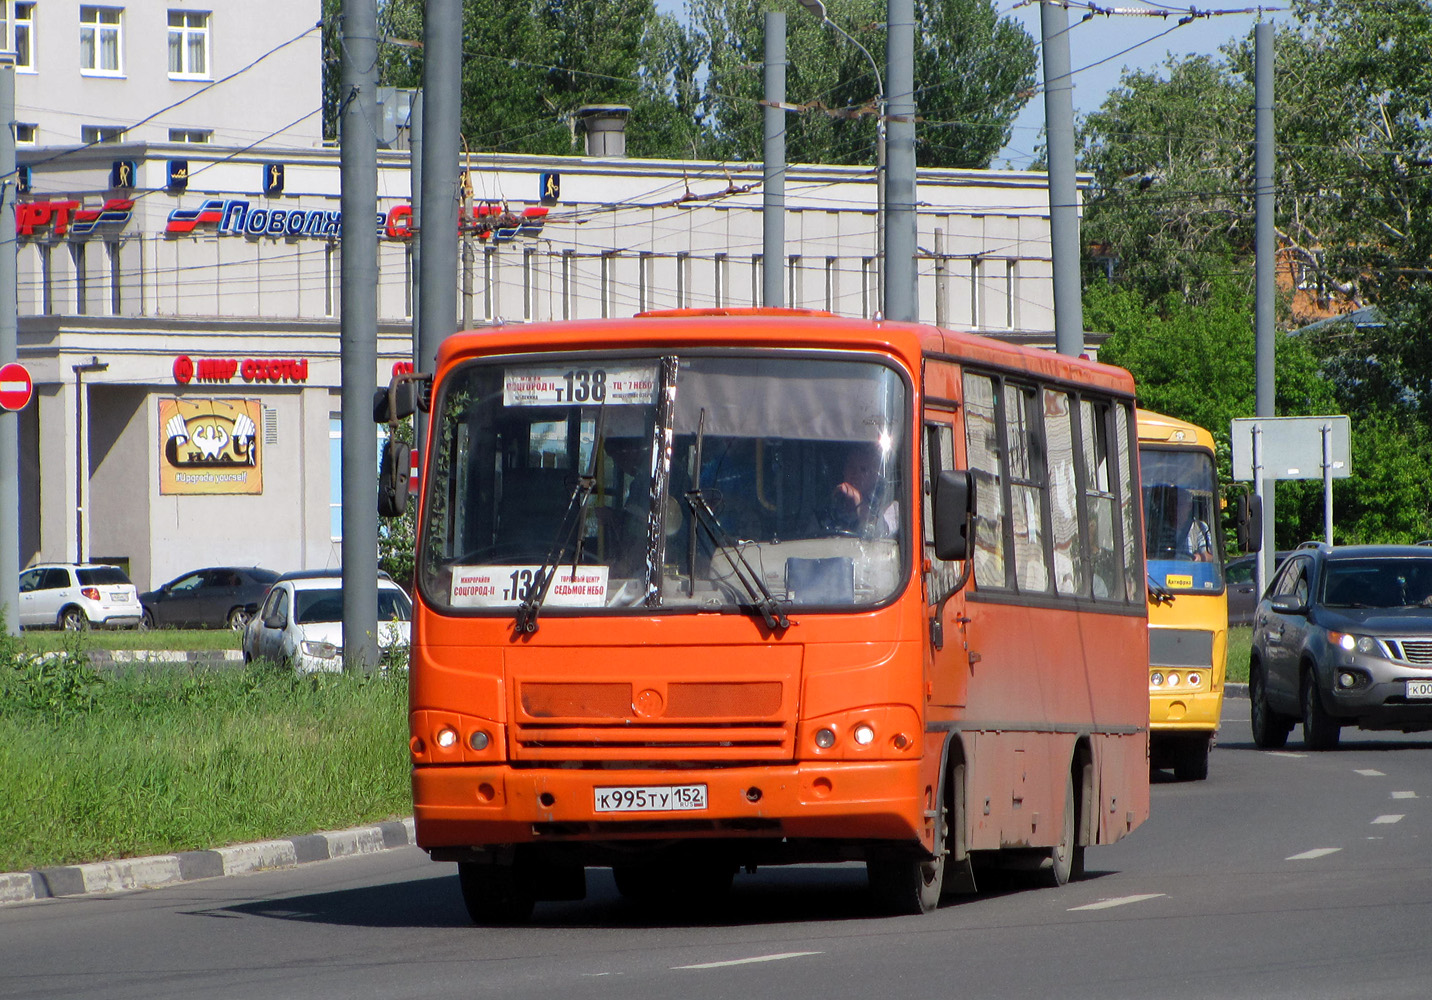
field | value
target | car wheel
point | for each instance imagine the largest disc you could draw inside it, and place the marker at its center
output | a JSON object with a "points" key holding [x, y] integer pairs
{"points": [[73, 619], [238, 618], [1270, 730], [1320, 730], [146, 620]]}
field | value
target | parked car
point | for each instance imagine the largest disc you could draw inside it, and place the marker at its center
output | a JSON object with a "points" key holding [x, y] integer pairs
{"points": [[300, 622], [1343, 637], [216, 595], [75, 596], [1241, 577]]}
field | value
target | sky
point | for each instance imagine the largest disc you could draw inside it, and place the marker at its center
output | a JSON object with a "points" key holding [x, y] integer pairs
{"points": [[1102, 47]]}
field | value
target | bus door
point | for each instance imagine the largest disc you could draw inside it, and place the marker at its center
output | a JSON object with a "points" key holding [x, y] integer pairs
{"points": [[947, 651]]}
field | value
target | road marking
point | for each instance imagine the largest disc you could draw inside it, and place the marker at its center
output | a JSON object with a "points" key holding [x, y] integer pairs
{"points": [[1389, 818], [749, 961], [1316, 852], [1105, 904], [1369, 772], [1404, 795], [1286, 753]]}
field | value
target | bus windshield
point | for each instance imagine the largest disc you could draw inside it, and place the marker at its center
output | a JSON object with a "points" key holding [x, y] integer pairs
{"points": [[1180, 519], [677, 482]]}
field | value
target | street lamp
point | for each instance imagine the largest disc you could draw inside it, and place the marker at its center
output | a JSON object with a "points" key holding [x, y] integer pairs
{"points": [[817, 8]]}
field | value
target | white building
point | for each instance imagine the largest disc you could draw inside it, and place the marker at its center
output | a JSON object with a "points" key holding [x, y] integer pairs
{"points": [[163, 280]]}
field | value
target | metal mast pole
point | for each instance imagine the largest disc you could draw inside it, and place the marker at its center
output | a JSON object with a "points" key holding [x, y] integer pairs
{"points": [[901, 289], [9, 351], [773, 201], [1263, 250], [359, 332], [1063, 188], [442, 108]]}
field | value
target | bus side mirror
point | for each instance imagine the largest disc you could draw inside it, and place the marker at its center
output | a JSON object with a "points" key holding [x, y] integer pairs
{"points": [[1249, 523], [393, 476], [954, 503]]}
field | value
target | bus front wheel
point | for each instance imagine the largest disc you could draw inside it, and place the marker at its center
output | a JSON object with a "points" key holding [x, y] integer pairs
{"points": [[905, 883], [495, 894]]}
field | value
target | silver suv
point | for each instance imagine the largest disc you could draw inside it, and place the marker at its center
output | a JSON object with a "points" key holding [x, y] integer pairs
{"points": [[74, 597], [1343, 637]]}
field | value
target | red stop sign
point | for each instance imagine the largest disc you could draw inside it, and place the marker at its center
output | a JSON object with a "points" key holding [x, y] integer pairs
{"points": [[15, 386]]}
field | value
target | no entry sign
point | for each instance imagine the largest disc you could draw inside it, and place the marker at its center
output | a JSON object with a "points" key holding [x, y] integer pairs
{"points": [[15, 386]]}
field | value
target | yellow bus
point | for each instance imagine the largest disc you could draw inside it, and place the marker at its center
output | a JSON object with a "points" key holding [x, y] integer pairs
{"points": [[1188, 604]]}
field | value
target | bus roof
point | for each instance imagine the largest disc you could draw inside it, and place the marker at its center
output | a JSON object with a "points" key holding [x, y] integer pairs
{"points": [[1159, 428], [800, 328]]}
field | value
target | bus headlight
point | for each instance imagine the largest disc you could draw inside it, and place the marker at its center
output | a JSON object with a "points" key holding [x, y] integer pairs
{"points": [[1156, 678], [825, 738], [863, 734], [479, 739], [447, 737]]}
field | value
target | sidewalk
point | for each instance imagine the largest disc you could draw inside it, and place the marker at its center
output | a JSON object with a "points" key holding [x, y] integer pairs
{"points": [[167, 869]]}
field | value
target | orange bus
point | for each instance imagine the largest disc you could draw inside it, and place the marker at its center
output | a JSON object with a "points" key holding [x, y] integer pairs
{"points": [[699, 591]]}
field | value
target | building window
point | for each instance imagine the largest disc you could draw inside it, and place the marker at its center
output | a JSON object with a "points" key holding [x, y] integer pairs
{"points": [[100, 40], [191, 135], [188, 43], [91, 134], [25, 36], [77, 255], [26, 134]]}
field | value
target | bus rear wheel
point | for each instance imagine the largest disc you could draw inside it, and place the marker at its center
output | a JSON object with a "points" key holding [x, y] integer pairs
{"points": [[1066, 858], [495, 894]]}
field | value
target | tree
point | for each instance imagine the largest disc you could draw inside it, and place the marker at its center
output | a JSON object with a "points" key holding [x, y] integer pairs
{"points": [[974, 70]]}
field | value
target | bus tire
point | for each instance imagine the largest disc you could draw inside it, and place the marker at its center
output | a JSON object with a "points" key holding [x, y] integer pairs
{"points": [[495, 894], [904, 883], [1270, 730], [1191, 760], [1066, 858]]}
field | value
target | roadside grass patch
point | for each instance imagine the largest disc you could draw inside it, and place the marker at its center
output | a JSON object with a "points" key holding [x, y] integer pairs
{"points": [[49, 640], [1240, 642], [127, 764]]}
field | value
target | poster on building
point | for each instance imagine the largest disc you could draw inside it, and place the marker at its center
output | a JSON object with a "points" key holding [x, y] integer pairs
{"points": [[210, 446]]}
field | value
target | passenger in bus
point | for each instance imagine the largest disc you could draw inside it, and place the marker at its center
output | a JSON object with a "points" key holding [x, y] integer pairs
{"points": [[1200, 540], [856, 502]]}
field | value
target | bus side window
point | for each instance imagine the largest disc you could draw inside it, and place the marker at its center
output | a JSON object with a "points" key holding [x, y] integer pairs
{"points": [[938, 455], [983, 454], [1063, 494], [1099, 499]]}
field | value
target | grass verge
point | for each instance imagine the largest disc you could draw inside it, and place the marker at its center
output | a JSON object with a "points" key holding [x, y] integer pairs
{"points": [[101, 766], [1240, 641], [47, 641]]}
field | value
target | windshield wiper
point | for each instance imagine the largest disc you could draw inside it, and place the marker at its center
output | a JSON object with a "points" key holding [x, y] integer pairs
{"points": [[1159, 594], [574, 518], [701, 513]]}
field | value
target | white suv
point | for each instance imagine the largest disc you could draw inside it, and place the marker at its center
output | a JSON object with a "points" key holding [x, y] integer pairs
{"points": [[300, 622], [74, 597]]}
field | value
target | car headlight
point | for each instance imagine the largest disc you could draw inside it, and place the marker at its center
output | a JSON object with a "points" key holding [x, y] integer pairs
{"points": [[1362, 643], [322, 650]]}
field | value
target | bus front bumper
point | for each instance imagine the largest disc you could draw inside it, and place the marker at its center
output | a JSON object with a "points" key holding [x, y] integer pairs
{"points": [[469, 805]]}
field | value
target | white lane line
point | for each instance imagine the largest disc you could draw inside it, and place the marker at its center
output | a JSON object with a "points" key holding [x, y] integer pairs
{"points": [[1105, 904], [750, 961], [1286, 753], [1317, 852], [1388, 818], [1404, 795], [1369, 772]]}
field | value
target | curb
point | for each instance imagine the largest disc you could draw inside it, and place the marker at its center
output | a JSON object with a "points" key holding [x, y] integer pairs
{"points": [[1236, 690], [168, 869], [102, 659]]}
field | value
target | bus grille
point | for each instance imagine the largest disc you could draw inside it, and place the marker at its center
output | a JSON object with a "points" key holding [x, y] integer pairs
{"points": [[696, 721]]}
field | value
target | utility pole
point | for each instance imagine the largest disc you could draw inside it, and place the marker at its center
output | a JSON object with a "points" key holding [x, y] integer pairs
{"points": [[9, 350], [438, 235], [773, 200], [902, 300], [1063, 188], [358, 164], [1263, 253]]}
